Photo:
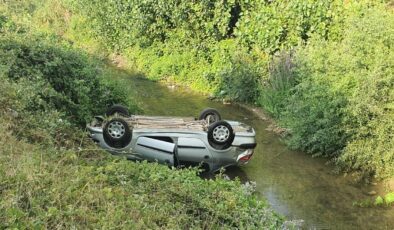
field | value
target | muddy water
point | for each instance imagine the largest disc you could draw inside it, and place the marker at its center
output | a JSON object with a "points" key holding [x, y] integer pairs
{"points": [[295, 185]]}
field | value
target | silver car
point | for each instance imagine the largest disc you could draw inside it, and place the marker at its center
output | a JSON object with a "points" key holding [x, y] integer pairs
{"points": [[207, 142]]}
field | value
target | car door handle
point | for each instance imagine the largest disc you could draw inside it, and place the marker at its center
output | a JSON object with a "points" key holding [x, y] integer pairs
{"points": [[206, 157]]}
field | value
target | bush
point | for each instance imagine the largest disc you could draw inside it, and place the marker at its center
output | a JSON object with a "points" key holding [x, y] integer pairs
{"points": [[370, 80], [239, 82], [313, 116], [65, 79], [123, 24], [278, 25], [3, 21], [343, 103], [47, 127], [221, 68]]}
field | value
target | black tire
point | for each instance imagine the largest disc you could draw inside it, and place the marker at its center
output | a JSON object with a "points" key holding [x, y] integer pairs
{"points": [[117, 109], [117, 133], [210, 115], [220, 135]]}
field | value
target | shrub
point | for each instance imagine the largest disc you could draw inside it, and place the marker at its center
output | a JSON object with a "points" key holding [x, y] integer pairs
{"points": [[314, 118], [343, 103], [239, 82], [65, 78], [3, 21], [278, 25], [370, 83], [128, 23]]}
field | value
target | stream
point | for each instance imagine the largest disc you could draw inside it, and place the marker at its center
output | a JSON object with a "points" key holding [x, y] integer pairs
{"points": [[294, 184]]}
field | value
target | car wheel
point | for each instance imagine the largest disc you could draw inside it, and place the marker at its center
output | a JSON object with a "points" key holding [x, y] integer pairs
{"points": [[117, 133], [210, 115], [220, 135], [117, 110]]}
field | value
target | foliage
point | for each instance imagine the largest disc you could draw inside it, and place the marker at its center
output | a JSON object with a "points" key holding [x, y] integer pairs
{"points": [[378, 201], [277, 25], [345, 95], [236, 73], [220, 68], [127, 23], [371, 103], [48, 127], [3, 21], [389, 198], [102, 192], [60, 78], [313, 117], [181, 47]]}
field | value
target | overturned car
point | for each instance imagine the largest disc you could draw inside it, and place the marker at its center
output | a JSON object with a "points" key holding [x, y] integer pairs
{"points": [[208, 141]]}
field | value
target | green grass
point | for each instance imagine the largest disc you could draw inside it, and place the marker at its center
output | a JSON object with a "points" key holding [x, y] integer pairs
{"points": [[88, 188]]}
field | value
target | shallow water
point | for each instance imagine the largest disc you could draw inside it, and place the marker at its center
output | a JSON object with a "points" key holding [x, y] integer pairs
{"points": [[295, 185]]}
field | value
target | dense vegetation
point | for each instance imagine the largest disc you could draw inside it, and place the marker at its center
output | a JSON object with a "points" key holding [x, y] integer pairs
{"points": [[52, 176], [60, 78], [343, 104], [323, 69]]}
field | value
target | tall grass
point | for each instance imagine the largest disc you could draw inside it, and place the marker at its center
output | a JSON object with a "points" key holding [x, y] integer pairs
{"points": [[276, 90]]}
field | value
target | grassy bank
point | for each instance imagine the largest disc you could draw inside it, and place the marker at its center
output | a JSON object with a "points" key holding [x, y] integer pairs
{"points": [[53, 177]]}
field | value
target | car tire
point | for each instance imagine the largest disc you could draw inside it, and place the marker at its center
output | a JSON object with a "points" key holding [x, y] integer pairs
{"points": [[117, 133], [210, 115], [117, 109], [220, 135]]}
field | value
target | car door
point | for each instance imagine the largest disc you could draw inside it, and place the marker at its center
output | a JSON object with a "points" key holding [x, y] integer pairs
{"points": [[193, 152], [153, 149]]}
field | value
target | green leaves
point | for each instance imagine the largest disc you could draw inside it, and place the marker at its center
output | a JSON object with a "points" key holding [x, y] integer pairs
{"points": [[341, 104], [129, 22], [71, 83], [277, 25]]}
